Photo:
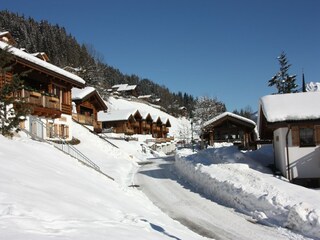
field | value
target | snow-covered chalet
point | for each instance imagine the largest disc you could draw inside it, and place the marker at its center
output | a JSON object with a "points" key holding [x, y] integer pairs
{"points": [[292, 122], [47, 89]]}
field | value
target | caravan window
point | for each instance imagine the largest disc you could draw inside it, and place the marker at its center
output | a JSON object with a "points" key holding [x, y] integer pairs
{"points": [[307, 137]]}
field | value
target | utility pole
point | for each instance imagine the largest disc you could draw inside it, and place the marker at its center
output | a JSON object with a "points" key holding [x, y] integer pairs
{"points": [[192, 135]]}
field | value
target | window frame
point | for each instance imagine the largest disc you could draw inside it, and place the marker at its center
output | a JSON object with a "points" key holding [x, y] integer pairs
{"points": [[310, 140]]}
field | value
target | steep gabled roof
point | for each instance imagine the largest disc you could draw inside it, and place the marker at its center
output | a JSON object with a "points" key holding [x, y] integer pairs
{"points": [[166, 121], [116, 115], [36, 63], [216, 120], [86, 93]]}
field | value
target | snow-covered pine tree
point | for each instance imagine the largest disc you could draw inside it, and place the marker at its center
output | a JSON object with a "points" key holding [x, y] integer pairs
{"points": [[284, 82], [13, 108]]}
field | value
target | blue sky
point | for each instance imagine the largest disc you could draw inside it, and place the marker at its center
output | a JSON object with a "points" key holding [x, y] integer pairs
{"points": [[226, 49]]}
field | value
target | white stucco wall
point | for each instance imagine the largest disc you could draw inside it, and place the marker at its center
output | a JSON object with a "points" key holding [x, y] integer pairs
{"points": [[279, 144], [41, 131], [304, 161]]}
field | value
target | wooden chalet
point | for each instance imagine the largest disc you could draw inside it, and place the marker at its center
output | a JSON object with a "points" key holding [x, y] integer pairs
{"points": [[156, 127], [146, 123], [165, 127], [47, 88], [88, 103], [230, 127], [119, 121], [137, 124], [125, 89]]}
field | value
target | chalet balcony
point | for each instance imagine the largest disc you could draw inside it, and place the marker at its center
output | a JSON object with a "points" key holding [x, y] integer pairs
{"points": [[42, 104], [129, 131], [135, 124], [88, 120], [145, 125]]}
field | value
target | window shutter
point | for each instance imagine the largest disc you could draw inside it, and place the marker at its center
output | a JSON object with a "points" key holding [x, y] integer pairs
{"points": [[56, 130], [67, 131], [295, 136], [317, 134], [48, 129]]}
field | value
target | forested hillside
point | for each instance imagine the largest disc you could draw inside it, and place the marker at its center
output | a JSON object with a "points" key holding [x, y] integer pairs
{"points": [[64, 51]]}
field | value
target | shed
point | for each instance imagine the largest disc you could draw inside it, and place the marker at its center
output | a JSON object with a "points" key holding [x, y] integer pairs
{"points": [[230, 127]]}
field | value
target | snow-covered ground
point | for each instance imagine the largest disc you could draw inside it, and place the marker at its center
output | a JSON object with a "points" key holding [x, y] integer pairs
{"points": [[45, 194], [241, 181]]}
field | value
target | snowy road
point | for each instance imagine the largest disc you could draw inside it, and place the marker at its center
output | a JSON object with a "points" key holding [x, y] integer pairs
{"points": [[159, 182]]}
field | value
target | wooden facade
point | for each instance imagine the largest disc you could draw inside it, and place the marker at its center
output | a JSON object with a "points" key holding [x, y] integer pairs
{"points": [[46, 87], [133, 122], [87, 108], [229, 127], [125, 126]]}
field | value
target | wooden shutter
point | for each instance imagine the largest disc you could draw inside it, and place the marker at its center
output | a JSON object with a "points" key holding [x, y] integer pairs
{"points": [[56, 130], [66, 131], [295, 136], [317, 134]]}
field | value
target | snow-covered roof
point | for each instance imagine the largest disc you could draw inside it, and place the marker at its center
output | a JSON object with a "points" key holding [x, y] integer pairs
{"points": [[42, 55], [124, 87], [3, 33], [6, 36], [116, 115], [291, 106], [231, 115], [78, 94], [313, 86], [145, 114], [32, 59], [144, 96]]}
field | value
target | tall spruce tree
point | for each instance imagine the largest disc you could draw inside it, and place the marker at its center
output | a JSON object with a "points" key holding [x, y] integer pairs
{"points": [[13, 108], [284, 82]]}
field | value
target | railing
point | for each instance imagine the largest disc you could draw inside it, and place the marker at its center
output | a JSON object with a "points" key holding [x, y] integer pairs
{"points": [[135, 124], [40, 99], [67, 148], [83, 119]]}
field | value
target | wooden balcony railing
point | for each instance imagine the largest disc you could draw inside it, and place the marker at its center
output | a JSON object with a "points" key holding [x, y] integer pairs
{"points": [[40, 99], [89, 120], [135, 124]]}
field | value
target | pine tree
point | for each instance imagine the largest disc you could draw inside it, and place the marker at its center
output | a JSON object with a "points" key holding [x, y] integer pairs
{"points": [[13, 108], [284, 82]]}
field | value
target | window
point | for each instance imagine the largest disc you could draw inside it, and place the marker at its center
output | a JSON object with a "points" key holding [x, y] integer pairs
{"points": [[307, 137]]}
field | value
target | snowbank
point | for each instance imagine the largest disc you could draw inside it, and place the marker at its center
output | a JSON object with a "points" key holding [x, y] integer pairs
{"points": [[46, 194], [234, 179]]}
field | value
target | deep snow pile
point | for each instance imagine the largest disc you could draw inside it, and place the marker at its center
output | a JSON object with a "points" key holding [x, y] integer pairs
{"points": [[45, 194], [238, 180]]}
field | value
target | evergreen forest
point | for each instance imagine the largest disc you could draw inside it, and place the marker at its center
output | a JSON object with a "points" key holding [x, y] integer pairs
{"points": [[45, 37]]}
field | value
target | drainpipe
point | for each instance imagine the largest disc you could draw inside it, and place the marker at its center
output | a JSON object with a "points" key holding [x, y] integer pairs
{"points": [[287, 148]]}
